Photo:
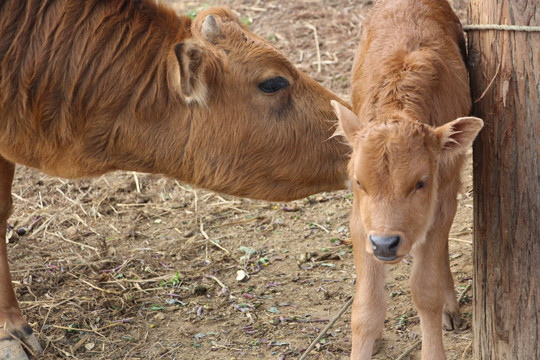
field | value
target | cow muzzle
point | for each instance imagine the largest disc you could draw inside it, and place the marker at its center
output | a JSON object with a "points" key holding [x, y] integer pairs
{"points": [[385, 248]]}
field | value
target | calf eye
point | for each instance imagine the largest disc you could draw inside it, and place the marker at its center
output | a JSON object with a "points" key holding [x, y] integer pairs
{"points": [[273, 84], [358, 184], [419, 185]]}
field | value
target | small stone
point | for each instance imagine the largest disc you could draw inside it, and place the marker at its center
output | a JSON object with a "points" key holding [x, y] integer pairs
{"points": [[241, 275]]}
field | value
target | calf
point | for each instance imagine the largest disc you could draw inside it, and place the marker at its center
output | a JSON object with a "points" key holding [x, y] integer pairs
{"points": [[88, 87], [409, 86]]}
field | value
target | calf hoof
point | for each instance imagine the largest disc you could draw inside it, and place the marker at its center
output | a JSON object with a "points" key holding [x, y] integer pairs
{"points": [[18, 345], [451, 320]]}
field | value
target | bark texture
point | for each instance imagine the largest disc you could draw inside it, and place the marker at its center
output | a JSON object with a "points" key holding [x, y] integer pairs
{"points": [[505, 73]]}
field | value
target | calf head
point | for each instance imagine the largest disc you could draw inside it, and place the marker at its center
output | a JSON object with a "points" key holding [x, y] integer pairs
{"points": [[395, 171], [260, 128]]}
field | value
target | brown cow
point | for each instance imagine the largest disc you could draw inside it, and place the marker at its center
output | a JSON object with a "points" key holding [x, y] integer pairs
{"points": [[88, 87], [409, 86]]}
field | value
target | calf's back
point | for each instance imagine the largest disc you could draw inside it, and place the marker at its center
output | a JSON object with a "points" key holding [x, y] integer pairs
{"points": [[411, 60]]}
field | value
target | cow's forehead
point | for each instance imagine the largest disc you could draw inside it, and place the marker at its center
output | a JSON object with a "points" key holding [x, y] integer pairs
{"points": [[396, 138], [388, 154], [248, 48], [244, 47]]}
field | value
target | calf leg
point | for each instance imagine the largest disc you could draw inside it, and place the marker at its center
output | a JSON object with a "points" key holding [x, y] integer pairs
{"points": [[369, 306], [432, 285], [13, 327], [428, 292], [451, 313], [439, 233]]}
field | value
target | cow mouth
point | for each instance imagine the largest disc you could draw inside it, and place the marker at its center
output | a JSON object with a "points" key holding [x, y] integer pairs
{"points": [[389, 259]]}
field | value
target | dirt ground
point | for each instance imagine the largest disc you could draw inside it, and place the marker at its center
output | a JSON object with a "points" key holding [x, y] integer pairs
{"points": [[134, 266]]}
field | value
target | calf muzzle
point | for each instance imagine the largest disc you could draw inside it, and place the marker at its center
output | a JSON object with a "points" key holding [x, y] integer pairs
{"points": [[385, 247]]}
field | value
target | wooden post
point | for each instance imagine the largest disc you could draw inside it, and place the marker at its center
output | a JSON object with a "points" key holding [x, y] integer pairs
{"points": [[505, 81]]}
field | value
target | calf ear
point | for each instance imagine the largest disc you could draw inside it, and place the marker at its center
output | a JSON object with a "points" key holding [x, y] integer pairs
{"points": [[349, 124], [457, 136], [191, 60]]}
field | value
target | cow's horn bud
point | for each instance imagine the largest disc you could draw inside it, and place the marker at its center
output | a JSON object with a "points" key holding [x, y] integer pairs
{"points": [[210, 29]]}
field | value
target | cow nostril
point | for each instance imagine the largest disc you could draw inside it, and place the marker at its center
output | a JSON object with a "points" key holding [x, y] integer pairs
{"points": [[395, 244]]}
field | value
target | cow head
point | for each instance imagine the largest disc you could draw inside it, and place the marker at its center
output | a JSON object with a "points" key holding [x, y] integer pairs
{"points": [[395, 172], [259, 127]]}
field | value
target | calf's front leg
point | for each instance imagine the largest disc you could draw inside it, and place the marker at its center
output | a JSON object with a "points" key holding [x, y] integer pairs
{"points": [[451, 313], [13, 328], [429, 291], [369, 305]]}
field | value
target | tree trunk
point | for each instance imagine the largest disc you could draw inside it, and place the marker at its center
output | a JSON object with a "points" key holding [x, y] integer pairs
{"points": [[505, 73]]}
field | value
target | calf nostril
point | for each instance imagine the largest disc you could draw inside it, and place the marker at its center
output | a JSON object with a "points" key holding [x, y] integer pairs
{"points": [[395, 244]]}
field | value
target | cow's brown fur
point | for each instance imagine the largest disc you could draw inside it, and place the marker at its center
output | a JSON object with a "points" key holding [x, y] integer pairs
{"points": [[409, 85], [91, 86], [85, 86]]}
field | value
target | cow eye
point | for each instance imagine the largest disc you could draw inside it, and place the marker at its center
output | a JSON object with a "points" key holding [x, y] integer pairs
{"points": [[273, 84], [419, 185]]}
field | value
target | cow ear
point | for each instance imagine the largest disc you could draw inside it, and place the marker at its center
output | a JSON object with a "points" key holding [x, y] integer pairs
{"points": [[457, 136], [349, 124], [190, 58], [210, 30]]}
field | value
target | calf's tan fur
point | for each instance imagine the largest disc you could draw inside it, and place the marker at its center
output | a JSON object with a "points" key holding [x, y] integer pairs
{"points": [[92, 86], [409, 139]]}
